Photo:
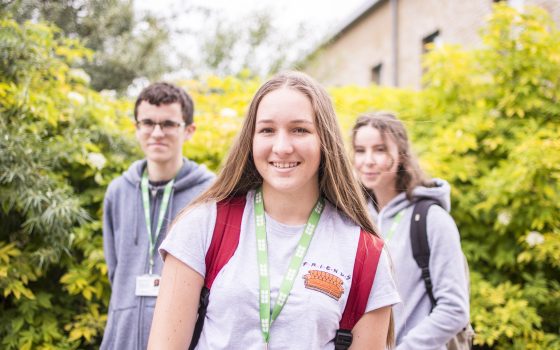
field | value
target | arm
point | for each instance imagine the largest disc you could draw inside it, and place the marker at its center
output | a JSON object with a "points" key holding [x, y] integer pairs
{"points": [[451, 313], [176, 306], [109, 239], [371, 330]]}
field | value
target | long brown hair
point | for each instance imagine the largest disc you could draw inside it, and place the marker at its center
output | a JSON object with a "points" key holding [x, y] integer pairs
{"points": [[336, 181], [409, 173]]}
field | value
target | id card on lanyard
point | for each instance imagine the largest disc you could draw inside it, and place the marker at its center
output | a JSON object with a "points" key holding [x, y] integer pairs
{"points": [[148, 285], [266, 317]]}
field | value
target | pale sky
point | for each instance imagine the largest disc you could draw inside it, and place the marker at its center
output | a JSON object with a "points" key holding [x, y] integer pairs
{"points": [[324, 13], [320, 17]]}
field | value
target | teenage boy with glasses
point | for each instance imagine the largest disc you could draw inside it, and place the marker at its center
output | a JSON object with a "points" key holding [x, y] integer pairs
{"points": [[140, 204]]}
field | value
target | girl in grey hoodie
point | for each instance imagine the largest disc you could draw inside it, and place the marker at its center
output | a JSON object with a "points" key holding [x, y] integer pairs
{"points": [[393, 181]]}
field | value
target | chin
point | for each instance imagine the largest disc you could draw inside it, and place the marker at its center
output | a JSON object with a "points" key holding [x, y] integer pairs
{"points": [[156, 158]]}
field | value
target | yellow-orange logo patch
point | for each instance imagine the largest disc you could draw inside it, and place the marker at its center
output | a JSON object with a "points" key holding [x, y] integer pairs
{"points": [[325, 283]]}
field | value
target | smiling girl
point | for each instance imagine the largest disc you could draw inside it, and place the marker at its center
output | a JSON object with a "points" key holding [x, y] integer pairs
{"points": [[394, 183], [302, 222]]}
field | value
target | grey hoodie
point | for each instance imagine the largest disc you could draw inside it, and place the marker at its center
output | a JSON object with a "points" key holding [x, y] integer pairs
{"points": [[125, 244], [415, 327]]}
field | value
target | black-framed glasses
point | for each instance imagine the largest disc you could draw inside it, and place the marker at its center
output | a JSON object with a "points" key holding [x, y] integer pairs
{"points": [[167, 126]]}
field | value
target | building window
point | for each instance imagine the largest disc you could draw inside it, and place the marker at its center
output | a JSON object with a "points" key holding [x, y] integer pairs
{"points": [[433, 38], [376, 74]]}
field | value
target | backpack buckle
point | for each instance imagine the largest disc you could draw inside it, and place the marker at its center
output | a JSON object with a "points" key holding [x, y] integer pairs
{"points": [[342, 339], [426, 277]]}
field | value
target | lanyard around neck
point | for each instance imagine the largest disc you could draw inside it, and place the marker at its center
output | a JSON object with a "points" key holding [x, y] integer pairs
{"points": [[293, 269], [162, 210], [393, 228]]}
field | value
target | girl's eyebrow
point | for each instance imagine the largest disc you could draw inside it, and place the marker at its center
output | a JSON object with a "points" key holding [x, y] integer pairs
{"points": [[297, 121]]}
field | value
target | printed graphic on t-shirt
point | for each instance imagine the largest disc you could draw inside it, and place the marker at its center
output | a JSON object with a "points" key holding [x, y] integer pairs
{"points": [[325, 283]]}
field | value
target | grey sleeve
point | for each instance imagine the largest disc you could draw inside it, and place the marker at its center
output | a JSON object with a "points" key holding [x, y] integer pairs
{"points": [[447, 270], [108, 238]]}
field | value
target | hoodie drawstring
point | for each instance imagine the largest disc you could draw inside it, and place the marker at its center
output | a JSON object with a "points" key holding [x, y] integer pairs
{"points": [[140, 207]]}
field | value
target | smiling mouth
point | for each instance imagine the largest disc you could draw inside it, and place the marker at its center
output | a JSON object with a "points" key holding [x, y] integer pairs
{"points": [[284, 165]]}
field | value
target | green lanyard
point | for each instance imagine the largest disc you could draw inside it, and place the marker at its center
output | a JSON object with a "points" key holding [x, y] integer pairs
{"points": [[162, 210], [293, 269], [394, 226]]}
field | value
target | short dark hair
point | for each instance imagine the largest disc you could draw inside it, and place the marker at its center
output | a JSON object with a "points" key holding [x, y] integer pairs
{"points": [[166, 93]]}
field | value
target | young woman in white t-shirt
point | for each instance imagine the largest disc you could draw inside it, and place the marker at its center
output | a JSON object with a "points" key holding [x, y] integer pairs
{"points": [[289, 156]]}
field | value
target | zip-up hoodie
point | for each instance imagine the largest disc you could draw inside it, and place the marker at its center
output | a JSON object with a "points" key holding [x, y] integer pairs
{"points": [[126, 245], [416, 327]]}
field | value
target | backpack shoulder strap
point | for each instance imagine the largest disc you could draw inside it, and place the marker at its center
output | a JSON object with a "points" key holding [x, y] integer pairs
{"points": [[225, 240], [419, 242], [363, 275]]}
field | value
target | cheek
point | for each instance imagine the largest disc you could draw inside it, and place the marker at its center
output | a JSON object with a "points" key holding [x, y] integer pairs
{"points": [[316, 153], [358, 160], [139, 136], [258, 148], [387, 162]]}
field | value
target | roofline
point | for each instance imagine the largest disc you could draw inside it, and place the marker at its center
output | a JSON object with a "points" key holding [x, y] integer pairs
{"points": [[364, 10], [353, 19]]}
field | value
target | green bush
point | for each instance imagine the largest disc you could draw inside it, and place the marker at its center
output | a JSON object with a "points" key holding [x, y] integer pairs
{"points": [[60, 144], [496, 137], [488, 121]]}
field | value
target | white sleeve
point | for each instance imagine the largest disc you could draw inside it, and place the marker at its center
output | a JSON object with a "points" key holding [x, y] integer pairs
{"points": [[190, 237], [384, 291]]}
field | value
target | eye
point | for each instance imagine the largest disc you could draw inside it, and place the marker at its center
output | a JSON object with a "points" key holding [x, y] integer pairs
{"points": [[147, 122], [380, 148], [266, 130], [359, 150], [170, 124], [301, 130]]}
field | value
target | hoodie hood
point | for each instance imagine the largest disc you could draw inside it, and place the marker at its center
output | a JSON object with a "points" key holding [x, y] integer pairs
{"points": [[191, 174], [441, 192]]}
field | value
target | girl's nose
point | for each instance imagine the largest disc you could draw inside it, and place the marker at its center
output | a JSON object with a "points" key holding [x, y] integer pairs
{"points": [[370, 158], [282, 144]]}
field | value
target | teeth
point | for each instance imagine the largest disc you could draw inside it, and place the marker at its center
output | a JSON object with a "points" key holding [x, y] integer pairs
{"points": [[284, 165]]}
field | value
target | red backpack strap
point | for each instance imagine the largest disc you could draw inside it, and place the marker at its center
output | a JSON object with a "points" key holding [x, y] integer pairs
{"points": [[225, 238], [365, 267]]}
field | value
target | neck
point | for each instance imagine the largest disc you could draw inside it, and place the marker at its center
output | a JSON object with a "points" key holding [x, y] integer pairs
{"points": [[164, 171], [384, 196], [289, 208]]}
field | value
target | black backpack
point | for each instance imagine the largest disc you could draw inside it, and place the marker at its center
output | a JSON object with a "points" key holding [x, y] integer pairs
{"points": [[421, 252]]}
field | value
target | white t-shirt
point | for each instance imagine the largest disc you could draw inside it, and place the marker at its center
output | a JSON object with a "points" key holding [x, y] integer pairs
{"points": [[311, 315]]}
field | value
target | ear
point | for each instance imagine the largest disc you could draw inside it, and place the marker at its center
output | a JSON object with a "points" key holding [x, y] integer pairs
{"points": [[189, 131]]}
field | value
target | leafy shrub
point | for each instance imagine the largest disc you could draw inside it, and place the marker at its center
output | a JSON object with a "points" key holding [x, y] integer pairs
{"points": [[488, 121]]}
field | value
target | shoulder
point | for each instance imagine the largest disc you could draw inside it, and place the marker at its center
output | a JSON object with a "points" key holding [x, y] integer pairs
{"points": [[190, 233], [442, 230], [196, 214], [342, 223], [439, 217], [116, 186]]}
